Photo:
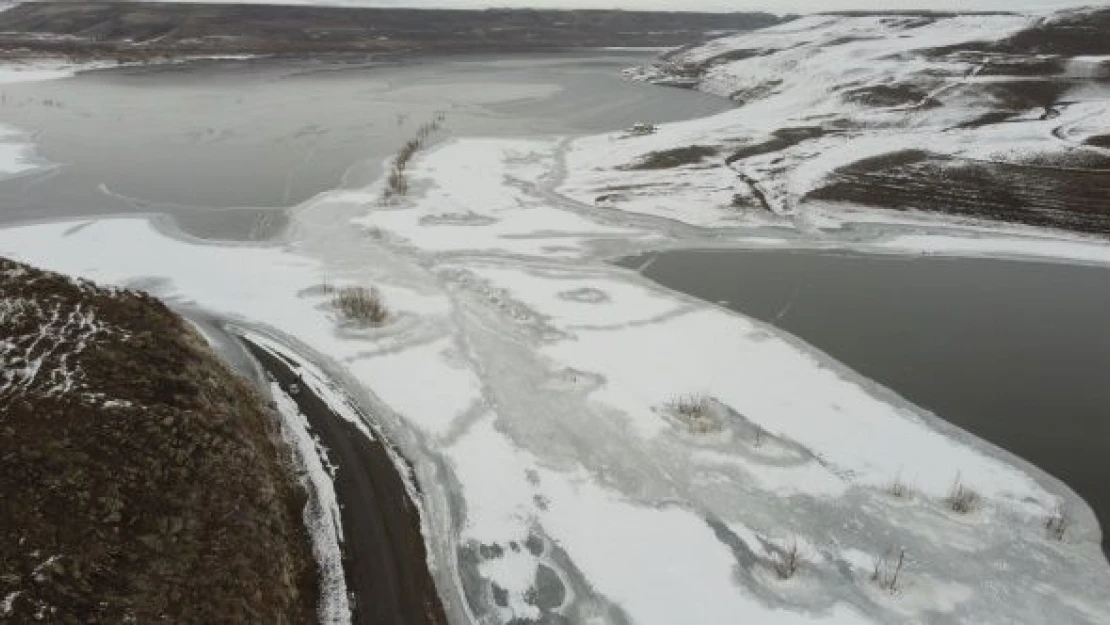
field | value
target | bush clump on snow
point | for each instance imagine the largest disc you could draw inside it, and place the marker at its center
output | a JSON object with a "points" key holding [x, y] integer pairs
{"points": [[1056, 525], [962, 499], [787, 559], [696, 411], [361, 305]]}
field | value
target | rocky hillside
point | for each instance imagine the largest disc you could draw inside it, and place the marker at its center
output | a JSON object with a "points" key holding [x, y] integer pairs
{"points": [[139, 476]]}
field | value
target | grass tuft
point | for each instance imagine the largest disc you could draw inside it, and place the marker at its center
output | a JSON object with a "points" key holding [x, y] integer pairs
{"points": [[697, 412], [1056, 526], [962, 499], [361, 305], [787, 559], [759, 436], [397, 182], [899, 489], [888, 569]]}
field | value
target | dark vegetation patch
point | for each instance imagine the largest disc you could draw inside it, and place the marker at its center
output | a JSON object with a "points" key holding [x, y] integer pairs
{"points": [[1089, 161], [1049, 190], [919, 21], [890, 96], [668, 159], [1082, 32], [1013, 98], [149, 490], [1101, 141], [839, 41], [781, 139], [758, 92], [1023, 66], [887, 161], [1022, 95], [747, 202], [758, 197], [739, 54], [636, 187], [987, 119]]}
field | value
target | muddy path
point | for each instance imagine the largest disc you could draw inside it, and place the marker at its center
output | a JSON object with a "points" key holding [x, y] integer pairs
{"points": [[384, 556]]}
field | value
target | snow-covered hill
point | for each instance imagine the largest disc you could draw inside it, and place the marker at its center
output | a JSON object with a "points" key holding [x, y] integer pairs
{"points": [[980, 116]]}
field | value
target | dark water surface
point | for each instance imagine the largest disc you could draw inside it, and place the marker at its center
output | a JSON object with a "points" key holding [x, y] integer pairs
{"points": [[221, 145], [1016, 352]]}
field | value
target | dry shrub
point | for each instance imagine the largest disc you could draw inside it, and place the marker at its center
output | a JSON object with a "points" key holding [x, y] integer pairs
{"points": [[697, 412], [888, 569], [962, 499], [362, 305], [759, 437], [397, 183], [787, 559], [898, 488], [1056, 526]]}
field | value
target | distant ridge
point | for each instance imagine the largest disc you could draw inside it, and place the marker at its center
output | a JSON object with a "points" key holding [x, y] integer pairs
{"points": [[129, 28]]}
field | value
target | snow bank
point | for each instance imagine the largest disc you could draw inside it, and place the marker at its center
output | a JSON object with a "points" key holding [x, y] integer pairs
{"points": [[1079, 251], [321, 513], [13, 72]]}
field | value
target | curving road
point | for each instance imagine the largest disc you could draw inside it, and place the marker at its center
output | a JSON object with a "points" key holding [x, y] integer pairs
{"points": [[384, 556]]}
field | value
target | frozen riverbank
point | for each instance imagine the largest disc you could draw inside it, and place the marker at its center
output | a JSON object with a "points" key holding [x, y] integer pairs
{"points": [[992, 345]]}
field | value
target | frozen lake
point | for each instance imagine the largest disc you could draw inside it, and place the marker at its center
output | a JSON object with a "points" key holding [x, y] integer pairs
{"points": [[1015, 352], [224, 146]]}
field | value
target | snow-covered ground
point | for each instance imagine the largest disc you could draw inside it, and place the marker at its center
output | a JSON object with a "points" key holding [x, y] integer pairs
{"points": [[823, 92], [538, 390]]}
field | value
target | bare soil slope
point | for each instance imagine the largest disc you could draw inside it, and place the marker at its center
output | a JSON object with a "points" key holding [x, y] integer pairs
{"points": [[139, 477]]}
